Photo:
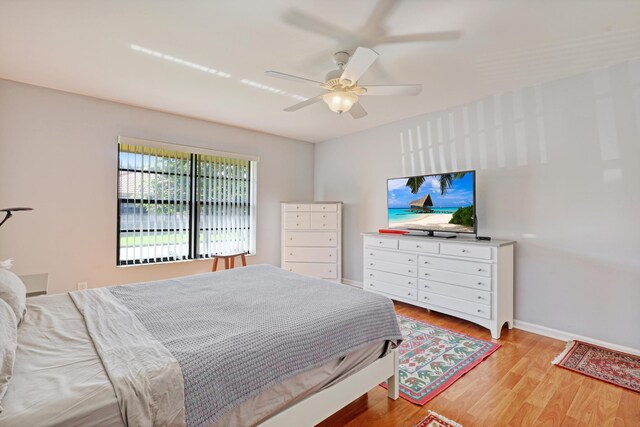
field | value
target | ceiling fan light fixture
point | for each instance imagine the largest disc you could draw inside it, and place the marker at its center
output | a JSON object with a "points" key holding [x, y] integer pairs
{"points": [[340, 101]]}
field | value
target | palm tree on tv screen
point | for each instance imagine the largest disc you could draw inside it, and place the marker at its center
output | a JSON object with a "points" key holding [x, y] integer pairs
{"points": [[446, 182]]}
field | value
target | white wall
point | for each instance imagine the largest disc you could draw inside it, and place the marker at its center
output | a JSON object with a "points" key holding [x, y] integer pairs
{"points": [[558, 171], [58, 154]]}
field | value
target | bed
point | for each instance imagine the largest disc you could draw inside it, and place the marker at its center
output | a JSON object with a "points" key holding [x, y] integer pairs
{"points": [[250, 346]]}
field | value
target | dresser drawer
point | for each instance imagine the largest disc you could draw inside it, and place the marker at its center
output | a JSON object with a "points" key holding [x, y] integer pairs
{"points": [[303, 254], [381, 242], [456, 304], [467, 251], [468, 294], [324, 221], [297, 207], [297, 220], [475, 282], [310, 238], [323, 271], [322, 207], [392, 267], [391, 278], [468, 267], [411, 259], [419, 246], [398, 291]]}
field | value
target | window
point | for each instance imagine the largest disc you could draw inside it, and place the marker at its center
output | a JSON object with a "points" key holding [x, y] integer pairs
{"points": [[180, 203]]}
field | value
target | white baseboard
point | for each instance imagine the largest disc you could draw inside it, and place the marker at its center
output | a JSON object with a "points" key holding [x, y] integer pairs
{"points": [[545, 331], [353, 283], [569, 336]]}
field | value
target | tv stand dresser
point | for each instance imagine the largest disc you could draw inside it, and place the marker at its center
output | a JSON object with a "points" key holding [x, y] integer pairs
{"points": [[465, 278]]}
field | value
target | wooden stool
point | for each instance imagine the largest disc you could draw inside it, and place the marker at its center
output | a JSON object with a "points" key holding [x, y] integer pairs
{"points": [[226, 258]]}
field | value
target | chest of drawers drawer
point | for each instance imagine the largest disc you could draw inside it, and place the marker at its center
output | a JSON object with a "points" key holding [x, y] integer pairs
{"points": [[391, 278], [468, 307], [323, 271], [468, 280], [390, 256], [466, 251], [454, 291], [381, 242], [305, 254], [299, 207], [419, 246], [297, 220], [324, 221], [387, 288], [460, 266], [392, 267], [310, 238], [324, 207]]}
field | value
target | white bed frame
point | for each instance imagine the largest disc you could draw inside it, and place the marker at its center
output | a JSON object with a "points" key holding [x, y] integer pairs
{"points": [[321, 405]]}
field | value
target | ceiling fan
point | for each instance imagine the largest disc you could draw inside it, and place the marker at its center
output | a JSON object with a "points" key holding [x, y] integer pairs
{"points": [[342, 84]]}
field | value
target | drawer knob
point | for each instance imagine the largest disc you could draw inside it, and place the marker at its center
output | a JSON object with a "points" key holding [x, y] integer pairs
{"points": [[410, 260], [290, 238], [290, 253], [380, 242], [371, 285], [371, 264], [324, 225], [426, 262], [330, 239], [426, 286], [425, 297], [480, 311], [409, 294], [330, 271], [480, 297], [418, 246], [370, 274], [297, 225], [426, 274], [409, 271], [324, 207], [330, 254], [370, 254], [480, 283], [409, 283], [291, 269], [480, 269]]}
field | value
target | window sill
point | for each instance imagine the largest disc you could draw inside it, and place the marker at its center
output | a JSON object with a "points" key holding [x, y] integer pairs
{"points": [[182, 261]]}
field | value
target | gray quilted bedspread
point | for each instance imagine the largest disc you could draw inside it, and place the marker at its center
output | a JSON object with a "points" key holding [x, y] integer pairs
{"points": [[237, 332]]}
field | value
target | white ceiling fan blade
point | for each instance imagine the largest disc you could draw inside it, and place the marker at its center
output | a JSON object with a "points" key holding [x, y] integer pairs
{"points": [[303, 104], [360, 62], [421, 37], [312, 23], [357, 111], [285, 76], [393, 90]]}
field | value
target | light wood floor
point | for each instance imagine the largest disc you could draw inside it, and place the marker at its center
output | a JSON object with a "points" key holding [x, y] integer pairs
{"points": [[515, 386]]}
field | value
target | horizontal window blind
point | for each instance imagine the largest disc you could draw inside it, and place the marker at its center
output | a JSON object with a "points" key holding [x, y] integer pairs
{"points": [[177, 205]]}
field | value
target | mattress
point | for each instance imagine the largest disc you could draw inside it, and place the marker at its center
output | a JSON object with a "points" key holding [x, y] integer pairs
{"points": [[59, 379]]}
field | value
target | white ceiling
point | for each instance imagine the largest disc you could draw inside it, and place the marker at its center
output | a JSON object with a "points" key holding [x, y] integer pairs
{"points": [[84, 47]]}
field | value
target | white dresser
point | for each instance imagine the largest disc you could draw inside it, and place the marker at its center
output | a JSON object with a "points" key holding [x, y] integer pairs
{"points": [[312, 239], [466, 278]]}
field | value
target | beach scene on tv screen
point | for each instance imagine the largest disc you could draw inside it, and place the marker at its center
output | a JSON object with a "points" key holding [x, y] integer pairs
{"points": [[435, 202]]}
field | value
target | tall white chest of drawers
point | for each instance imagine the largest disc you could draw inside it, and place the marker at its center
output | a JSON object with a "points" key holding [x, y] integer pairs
{"points": [[469, 279], [312, 239]]}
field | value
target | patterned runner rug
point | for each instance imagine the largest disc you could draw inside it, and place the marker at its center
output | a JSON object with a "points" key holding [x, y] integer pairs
{"points": [[614, 367], [437, 420], [432, 358]]}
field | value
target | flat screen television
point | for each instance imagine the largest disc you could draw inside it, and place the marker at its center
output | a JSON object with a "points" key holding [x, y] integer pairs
{"points": [[433, 203]]}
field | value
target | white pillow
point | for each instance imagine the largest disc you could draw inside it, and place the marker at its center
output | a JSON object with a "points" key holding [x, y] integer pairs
{"points": [[14, 293], [8, 345]]}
